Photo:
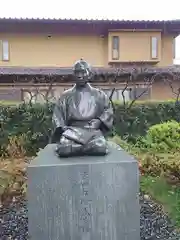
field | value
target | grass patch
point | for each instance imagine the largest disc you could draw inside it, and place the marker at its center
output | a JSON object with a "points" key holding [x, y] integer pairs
{"points": [[9, 103], [164, 194]]}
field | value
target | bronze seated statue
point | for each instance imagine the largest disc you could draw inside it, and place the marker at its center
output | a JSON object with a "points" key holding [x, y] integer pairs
{"points": [[81, 118]]}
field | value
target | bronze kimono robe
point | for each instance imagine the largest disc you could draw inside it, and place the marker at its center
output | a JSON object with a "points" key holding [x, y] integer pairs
{"points": [[73, 114]]}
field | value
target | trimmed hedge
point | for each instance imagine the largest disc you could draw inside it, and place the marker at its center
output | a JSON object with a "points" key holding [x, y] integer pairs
{"points": [[34, 122], [141, 116], [31, 122]]}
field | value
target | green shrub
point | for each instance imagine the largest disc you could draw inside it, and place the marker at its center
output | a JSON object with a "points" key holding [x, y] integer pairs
{"points": [[34, 121], [162, 137], [153, 163]]}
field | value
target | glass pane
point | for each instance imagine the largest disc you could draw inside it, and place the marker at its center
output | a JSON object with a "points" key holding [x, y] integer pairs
{"points": [[5, 50], [107, 92], [115, 96], [28, 97], [40, 97], [51, 96], [126, 95], [154, 47], [115, 47], [116, 42]]}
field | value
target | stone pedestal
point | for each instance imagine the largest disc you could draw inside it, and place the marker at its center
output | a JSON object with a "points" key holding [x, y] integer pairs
{"points": [[83, 198]]}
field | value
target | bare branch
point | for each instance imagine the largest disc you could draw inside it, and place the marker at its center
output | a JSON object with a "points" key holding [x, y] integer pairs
{"points": [[174, 84], [131, 83], [123, 91], [149, 84]]}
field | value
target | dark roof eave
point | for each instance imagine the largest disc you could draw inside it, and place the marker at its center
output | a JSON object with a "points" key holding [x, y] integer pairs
{"points": [[87, 25]]}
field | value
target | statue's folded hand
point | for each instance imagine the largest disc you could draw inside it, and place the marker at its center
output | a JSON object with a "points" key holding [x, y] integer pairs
{"points": [[64, 128], [94, 123]]}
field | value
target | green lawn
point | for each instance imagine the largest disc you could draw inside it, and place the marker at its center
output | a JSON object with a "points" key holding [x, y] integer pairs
{"points": [[165, 194]]}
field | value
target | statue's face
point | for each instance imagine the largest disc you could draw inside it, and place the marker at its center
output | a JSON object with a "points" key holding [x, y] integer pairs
{"points": [[81, 77]]}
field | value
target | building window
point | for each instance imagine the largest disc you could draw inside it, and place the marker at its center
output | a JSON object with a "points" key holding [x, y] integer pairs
{"points": [[5, 50], [154, 47], [142, 92], [115, 47], [38, 96], [174, 48], [118, 94]]}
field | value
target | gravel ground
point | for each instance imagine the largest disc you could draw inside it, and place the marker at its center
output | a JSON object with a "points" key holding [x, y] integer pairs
{"points": [[155, 225]]}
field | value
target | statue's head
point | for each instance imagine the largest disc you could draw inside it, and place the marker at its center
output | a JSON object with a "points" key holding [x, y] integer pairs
{"points": [[82, 72]]}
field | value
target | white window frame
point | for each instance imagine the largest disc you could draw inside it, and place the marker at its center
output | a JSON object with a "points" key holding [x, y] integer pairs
{"points": [[5, 50], [115, 48], [154, 47]]}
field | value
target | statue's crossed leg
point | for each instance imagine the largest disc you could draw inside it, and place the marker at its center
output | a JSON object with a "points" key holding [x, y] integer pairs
{"points": [[96, 146]]}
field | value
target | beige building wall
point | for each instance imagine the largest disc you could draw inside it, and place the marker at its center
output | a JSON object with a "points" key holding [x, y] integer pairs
{"points": [[62, 51], [136, 46], [55, 51], [164, 91]]}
